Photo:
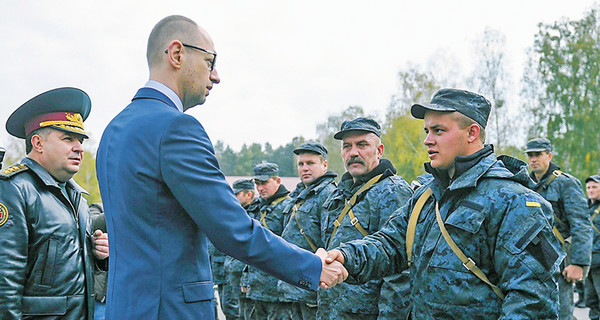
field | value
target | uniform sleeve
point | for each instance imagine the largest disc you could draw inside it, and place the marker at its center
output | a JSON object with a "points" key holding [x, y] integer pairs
{"points": [[526, 259], [190, 169], [575, 207], [13, 250], [380, 254], [390, 201]]}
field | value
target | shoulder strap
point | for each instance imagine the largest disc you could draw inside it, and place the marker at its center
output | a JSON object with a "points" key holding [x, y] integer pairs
{"points": [[467, 262], [294, 215], [264, 213], [348, 208], [13, 170], [412, 223], [554, 175], [594, 215]]}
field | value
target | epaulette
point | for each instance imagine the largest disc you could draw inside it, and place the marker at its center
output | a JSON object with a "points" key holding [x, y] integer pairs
{"points": [[13, 170]]}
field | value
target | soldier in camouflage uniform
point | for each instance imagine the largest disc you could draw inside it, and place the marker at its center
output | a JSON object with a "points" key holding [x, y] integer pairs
{"points": [[592, 283], [244, 191], [268, 210], [571, 220], [485, 207], [304, 224], [372, 191]]}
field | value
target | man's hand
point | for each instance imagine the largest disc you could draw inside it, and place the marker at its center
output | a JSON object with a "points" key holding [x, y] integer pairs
{"points": [[244, 289], [333, 272], [100, 242], [333, 255], [573, 273]]}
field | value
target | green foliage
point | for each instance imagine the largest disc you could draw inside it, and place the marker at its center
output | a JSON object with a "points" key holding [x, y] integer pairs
{"points": [[86, 177], [567, 54], [404, 146]]}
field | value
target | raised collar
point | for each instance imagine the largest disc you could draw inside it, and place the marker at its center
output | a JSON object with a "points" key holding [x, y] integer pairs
{"points": [[46, 178]]}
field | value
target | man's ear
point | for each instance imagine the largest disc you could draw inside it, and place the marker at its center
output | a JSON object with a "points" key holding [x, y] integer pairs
{"points": [[474, 131], [174, 53], [37, 143]]}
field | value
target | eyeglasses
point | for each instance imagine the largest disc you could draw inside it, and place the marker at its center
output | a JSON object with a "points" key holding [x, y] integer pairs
{"points": [[214, 60]]}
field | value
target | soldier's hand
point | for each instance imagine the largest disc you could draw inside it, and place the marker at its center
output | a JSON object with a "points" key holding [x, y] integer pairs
{"points": [[244, 289], [100, 243], [333, 255], [332, 272], [573, 273]]}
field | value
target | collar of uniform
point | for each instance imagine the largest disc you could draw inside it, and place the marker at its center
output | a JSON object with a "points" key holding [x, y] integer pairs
{"points": [[385, 167], [593, 203], [281, 191], [301, 192], [553, 166], [47, 177], [483, 161], [166, 91]]}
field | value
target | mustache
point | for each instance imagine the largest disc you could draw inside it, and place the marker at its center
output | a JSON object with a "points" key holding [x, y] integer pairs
{"points": [[354, 159]]}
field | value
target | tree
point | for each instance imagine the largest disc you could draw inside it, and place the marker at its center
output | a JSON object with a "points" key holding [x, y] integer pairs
{"points": [[86, 177], [490, 78], [567, 54], [403, 135]]}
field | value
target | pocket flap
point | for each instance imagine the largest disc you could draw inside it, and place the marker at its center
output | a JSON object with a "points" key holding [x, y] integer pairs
{"points": [[198, 291], [469, 216], [50, 306]]}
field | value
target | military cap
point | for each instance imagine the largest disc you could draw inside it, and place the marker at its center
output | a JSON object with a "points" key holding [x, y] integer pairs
{"points": [[243, 184], [593, 178], [539, 145], [312, 147], [470, 104], [62, 108], [263, 171], [358, 124]]}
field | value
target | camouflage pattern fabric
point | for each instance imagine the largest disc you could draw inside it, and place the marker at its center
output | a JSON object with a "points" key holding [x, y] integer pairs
{"points": [[572, 220], [592, 283], [308, 216], [373, 208], [263, 287], [264, 310], [496, 220], [233, 275]]}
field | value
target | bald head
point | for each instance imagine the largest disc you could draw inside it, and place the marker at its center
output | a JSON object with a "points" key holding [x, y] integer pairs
{"points": [[166, 30]]}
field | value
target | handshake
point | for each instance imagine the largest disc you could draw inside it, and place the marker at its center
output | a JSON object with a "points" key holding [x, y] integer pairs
{"points": [[333, 271]]}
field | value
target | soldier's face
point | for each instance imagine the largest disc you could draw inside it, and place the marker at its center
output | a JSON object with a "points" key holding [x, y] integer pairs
{"points": [[244, 197], [593, 190], [445, 139], [361, 152], [60, 153], [539, 162], [267, 188], [196, 78], [310, 167]]}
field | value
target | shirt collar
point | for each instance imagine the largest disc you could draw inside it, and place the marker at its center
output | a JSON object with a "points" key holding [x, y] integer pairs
{"points": [[166, 91]]}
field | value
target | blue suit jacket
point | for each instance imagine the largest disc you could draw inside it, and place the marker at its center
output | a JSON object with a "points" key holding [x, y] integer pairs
{"points": [[164, 195]]}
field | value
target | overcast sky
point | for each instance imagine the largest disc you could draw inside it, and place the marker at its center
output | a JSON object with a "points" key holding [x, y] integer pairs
{"points": [[284, 65]]}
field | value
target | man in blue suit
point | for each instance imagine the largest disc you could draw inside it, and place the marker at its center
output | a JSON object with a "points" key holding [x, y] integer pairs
{"points": [[165, 196]]}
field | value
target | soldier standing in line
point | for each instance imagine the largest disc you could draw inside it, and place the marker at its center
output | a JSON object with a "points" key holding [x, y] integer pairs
{"points": [[476, 239], [268, 210], [304, 223], [367, 195], [244, 192], [571, 220], [592, 282]]}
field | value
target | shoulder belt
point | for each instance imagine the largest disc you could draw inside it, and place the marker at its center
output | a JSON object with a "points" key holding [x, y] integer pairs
{"points": [[310, 242], [551, 178], [546, 183], [594, 215], [467, 262], [13, 170], [264, 213], [348, 209]]}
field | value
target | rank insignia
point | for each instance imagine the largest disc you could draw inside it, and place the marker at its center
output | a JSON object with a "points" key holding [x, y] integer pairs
{"points": [[3, 214]]}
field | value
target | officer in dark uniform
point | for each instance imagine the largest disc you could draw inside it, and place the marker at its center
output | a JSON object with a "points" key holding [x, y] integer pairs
{"points": [[571, 221], [46, 240], [592, 282]]}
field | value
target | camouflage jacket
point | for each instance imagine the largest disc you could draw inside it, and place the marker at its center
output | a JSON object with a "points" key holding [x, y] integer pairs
{"points": [[235, 270], [372, 210], [262, 286], [495, 220], [217, 264], [595, 205], [570, 212], [309, 201]]}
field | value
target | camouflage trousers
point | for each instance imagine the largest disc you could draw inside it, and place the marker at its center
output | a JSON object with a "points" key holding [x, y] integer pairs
{"points": [[332, 313], [245, 306], [263, 310], [301, 311], [228, 301], [592, 291], [565, 299]]}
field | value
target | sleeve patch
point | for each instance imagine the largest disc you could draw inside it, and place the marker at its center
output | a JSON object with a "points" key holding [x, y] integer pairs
{"points": [[3, 214]]}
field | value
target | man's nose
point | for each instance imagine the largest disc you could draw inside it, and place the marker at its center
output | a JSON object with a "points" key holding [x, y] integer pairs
{"points": [[214, 76], [428, 140]]}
